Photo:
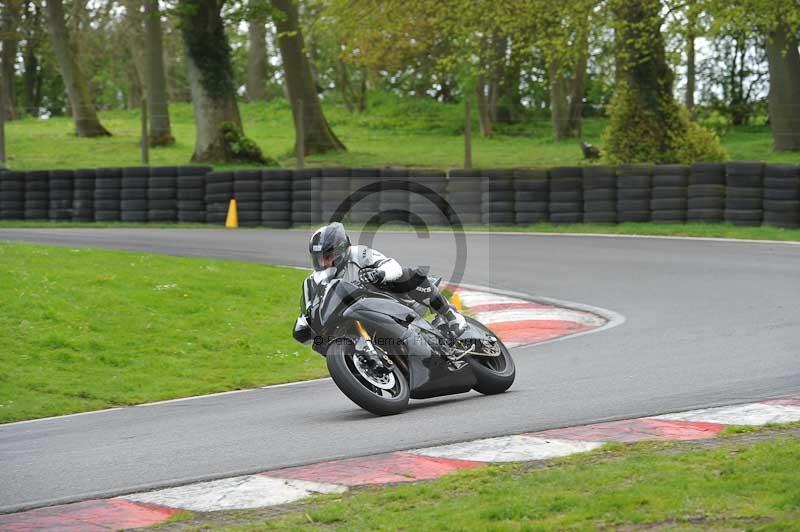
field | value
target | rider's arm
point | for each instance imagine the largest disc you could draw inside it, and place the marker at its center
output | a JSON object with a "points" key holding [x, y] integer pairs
{"points": [[390, 267]]}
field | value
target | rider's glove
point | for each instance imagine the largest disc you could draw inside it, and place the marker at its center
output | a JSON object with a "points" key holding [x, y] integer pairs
{"points": [[371, 276]]}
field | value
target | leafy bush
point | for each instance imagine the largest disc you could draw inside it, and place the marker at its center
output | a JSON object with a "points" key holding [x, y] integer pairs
{"points": [[716, 122], [661, 132], [242, 149]]}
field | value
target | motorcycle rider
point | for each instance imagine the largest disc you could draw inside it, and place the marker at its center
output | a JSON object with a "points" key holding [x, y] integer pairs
{"points": [[330, 247]]}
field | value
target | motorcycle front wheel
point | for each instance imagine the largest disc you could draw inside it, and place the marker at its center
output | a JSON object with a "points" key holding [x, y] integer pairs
{"points": [[383, 395], [494, 374]]}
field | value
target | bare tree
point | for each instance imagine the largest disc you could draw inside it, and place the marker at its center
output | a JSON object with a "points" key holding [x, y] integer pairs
{"points": [[317, 136], [87, 124]]}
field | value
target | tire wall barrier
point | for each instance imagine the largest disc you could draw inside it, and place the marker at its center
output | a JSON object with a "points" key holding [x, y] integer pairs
{"points": [[464, 196], [634, 191], [744, 193], [566, 195], [531, 196], [393, 200], [669, 201], [276, 198], [782, 195], [498, 197], [427, 197], [600, 194], [191, 192], [706, 193], [247, 193], [134, 194], [739, 192]]}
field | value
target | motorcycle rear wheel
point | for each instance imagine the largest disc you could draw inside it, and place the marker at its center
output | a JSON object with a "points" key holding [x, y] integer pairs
{"points": [[494, 374], [358, 389]]}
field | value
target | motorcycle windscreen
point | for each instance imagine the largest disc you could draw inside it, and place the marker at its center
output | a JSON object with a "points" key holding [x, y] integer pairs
{"points": [[337, 296]]}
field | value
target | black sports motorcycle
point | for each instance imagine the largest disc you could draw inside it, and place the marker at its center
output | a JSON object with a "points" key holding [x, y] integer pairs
{"points": [[381, 351]]}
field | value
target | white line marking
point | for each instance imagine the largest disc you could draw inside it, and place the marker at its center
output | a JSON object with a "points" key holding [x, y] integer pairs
{"points": [[541, 314], [746, 414], [235, 493], [509, 449]]}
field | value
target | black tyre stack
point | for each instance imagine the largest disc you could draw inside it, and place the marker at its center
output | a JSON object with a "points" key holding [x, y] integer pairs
{"points": [[566, 195], [107, 188], [37, 195], [133, 194], [669, 200], [306, 194], [497, 197], [393, 204], [191, 191], [706, 193], [366, 180], [276, 198], [83, 195], [782, 195], [162, 194], [219, 192], [744, 192], [335, 189], [62, 183], [634, 192], [600, 195], [531, 195], [427, 197], [464, 195], [247, 193], [12, 195]]}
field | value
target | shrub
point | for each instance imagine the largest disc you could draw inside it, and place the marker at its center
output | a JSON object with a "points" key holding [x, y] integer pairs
{"points": [[659, 133]]}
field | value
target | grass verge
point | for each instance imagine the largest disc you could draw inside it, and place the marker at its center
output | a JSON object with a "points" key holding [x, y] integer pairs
{"points": [[745, 482], [702, 230], [85, 329], [392, 132]]}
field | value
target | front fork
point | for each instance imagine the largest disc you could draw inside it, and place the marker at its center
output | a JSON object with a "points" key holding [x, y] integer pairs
{"points": [[366, 346]]}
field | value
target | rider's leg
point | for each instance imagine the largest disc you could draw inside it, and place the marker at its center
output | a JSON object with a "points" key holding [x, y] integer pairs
{"points": [[415, 283]]}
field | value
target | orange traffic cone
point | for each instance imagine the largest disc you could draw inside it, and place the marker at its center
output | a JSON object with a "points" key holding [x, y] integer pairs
{"points": [[232, 220]]}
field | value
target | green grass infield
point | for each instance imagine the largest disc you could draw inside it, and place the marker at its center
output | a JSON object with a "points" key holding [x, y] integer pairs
{"points": [[86, 329]]}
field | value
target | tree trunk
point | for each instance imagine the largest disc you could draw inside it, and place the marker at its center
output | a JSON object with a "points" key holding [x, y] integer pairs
{"points": [[135, 89], [257, 56], [691, 66], [83, 112], [559, 106], [9, 28], [784, 89], [157, 106], [210, 75], [32, 77], [362, 92], [484, 119], [577, 85], [318, 137]]}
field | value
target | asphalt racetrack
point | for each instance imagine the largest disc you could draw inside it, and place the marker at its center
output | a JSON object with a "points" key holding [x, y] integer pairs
{"points": [[707, 323]]}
